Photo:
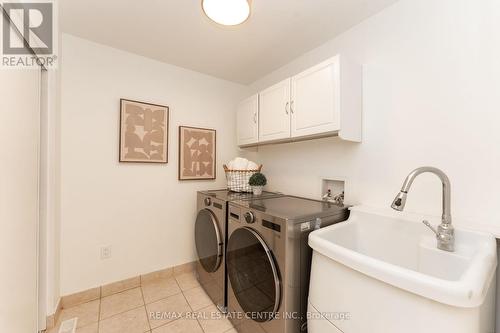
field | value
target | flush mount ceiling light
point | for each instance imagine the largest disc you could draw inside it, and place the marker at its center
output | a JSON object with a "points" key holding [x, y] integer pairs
{"points": [[226, 12]]}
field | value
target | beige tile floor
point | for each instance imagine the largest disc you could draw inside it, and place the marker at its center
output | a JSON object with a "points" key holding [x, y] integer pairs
{"points": [[170, 305]]}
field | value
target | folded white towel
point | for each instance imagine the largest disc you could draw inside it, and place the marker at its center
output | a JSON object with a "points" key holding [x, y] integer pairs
{"points": [[252, 166], [240, 163]]}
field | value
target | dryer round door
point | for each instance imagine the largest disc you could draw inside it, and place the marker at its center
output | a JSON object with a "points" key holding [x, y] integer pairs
{"points": [[253, 274], [208, 240]]}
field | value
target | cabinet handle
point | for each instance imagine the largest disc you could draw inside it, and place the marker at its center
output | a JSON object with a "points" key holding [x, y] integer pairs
{"points": [[286, 107], [291, 106], [255, 118]]}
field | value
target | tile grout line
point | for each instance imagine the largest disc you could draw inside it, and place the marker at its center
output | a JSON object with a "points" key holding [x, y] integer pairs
{"points": [[142, 294], [99, 312], [163, 298], [192, 311], [199, 324], [173, 277], [203, 309], [140, 276], [144, 301], [160, 299], [180, 292], [120, 313], [145, 308], [183, 290], [100, 298], [177, 282]]}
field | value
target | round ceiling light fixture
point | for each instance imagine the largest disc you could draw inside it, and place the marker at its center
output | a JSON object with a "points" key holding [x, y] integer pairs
{"points": [[227, 12]]}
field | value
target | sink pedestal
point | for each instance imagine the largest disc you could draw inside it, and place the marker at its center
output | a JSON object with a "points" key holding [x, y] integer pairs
{"points": [[358, 303]]}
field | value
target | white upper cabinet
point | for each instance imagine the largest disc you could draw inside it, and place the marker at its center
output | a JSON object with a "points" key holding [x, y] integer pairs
{"points": [[274, 112], [323, 100], [314, 101], [248, 121]]}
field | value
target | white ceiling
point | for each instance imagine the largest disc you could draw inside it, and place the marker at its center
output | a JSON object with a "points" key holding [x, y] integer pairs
{"points": [[177, 31]]}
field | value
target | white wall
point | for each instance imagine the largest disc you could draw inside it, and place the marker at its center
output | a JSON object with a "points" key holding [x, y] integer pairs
{"points": [[141, 210], [49, 201], [49, 190], [49, 225], [431, 78], [431, 97], [19, 179]]}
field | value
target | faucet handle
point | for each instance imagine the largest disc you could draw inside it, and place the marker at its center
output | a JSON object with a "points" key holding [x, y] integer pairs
{"points": [[431, 227]]}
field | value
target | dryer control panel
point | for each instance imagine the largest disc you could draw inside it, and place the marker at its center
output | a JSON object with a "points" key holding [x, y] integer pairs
{"points": [[249, 217]]}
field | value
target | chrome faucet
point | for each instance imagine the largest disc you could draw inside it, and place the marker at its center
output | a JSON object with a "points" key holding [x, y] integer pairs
{"points": [[445, 233]]}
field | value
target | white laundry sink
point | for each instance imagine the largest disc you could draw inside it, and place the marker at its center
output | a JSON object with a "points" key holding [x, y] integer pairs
{"points": [[380, 265]]}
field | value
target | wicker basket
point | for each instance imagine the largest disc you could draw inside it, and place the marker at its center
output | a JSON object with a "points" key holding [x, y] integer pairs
{"points": [[237, 180]]}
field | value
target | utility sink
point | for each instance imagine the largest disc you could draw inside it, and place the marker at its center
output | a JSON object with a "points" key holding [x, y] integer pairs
{"points": [[383, 253]]}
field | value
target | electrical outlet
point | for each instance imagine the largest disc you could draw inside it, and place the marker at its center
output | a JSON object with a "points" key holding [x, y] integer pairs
{"points": [[105, 252]]}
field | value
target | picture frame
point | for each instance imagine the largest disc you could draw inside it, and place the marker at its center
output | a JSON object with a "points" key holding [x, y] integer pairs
{"points": [[144, 131], [197, 153]]}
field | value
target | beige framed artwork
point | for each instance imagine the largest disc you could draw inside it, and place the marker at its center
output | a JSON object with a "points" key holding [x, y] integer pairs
{"points": [[197, 153], [143, 132]]}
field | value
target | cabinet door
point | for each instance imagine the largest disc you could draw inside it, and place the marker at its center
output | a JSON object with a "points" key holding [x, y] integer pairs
{"points": [[274, 112], [315, 104], [247, 119]]}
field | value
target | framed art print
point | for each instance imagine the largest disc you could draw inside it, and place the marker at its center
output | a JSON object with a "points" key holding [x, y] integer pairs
{"points": [[143, 132], [197, 153]]}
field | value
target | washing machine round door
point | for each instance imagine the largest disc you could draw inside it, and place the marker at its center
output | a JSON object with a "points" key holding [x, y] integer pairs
{"points": [[208, 240], [253, 274]]}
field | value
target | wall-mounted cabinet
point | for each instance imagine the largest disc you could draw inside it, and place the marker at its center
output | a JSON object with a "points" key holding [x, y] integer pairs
{"points": [[323, 100], [274, 112], [247, 118]]}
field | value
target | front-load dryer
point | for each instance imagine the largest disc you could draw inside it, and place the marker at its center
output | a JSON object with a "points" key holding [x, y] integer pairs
{"points": [[210, 240]]}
